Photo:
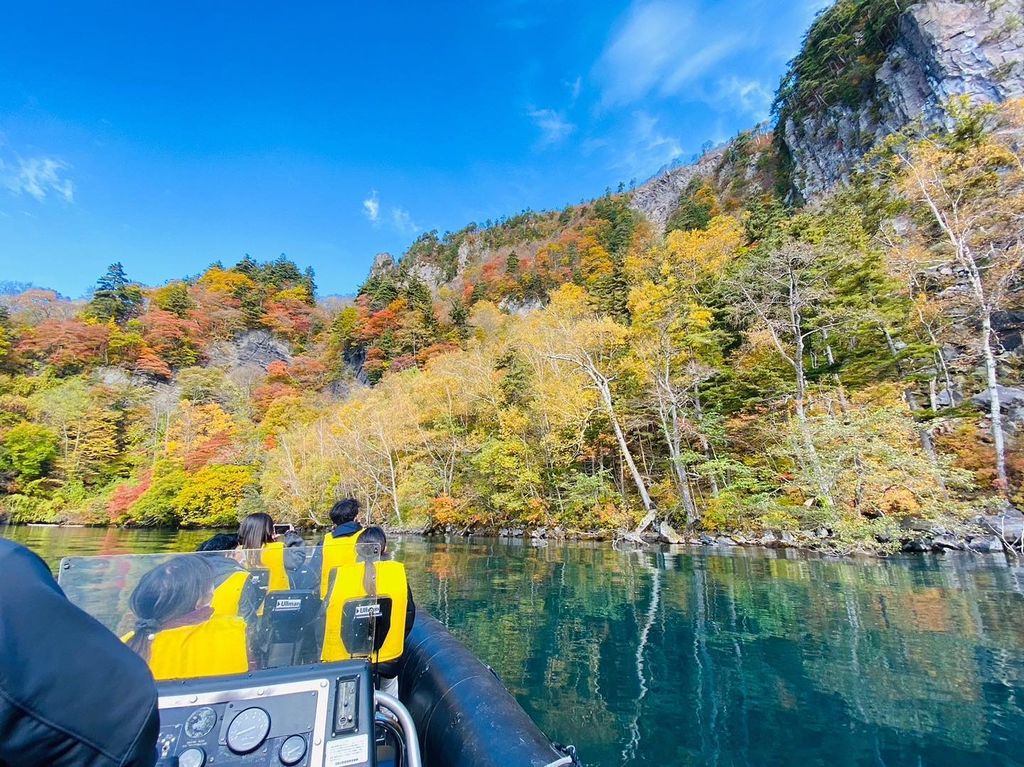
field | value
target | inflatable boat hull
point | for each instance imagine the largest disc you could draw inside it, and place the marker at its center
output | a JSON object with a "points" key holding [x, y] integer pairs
{"points": [[464, 715]]}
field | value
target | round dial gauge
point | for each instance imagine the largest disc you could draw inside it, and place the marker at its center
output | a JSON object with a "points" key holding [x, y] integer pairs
{"points": [[200, 722], [192, 757], [248, 730], [293, 749]]}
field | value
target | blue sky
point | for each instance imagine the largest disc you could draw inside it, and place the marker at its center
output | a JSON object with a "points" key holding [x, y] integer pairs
{"points": [[168, 136]]}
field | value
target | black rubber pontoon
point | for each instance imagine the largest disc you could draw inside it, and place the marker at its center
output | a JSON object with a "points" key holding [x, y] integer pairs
{"points": [[464, 715]]}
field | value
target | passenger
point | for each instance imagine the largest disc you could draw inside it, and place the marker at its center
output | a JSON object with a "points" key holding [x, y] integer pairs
{"points": [[235, 591], [70, 693], [256, 533], [338, 547], [177, 630], [219, 542], [376, 577]]}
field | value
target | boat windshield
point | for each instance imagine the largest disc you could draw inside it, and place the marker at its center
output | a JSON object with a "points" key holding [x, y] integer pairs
{"points": [[231, 612]]}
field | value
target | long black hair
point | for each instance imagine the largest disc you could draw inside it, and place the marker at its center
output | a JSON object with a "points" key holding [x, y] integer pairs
{"points": [[255, 530], [370, 547], [168, 591]]}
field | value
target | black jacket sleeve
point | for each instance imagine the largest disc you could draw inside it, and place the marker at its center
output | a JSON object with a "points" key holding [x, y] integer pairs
{"points": [[70, 692]]}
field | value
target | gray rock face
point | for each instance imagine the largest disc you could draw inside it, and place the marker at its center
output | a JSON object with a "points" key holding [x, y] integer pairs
{"points": [[668, 534], [1008, 526], [1011, 404], [382, 264], [986, 544], [657, 198], [944, 48], [250, 353]]}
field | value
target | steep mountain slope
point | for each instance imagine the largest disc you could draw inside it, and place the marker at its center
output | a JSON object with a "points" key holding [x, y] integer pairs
{"points": [[872, 67]]}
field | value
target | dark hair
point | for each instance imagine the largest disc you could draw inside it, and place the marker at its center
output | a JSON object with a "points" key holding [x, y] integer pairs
{"points": [[370, 547], [344, 511], [219, 542], [255, 530], [168, 591]]}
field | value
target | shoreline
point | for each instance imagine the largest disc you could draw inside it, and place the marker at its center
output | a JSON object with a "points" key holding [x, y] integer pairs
{"points": [[1002, 534]]}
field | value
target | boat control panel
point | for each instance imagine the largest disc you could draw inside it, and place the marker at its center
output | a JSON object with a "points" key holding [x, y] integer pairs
{"points": [[320, 715]]}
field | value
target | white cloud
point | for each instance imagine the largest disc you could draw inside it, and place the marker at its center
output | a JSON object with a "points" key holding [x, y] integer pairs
{"points": [[554, 127], [644, 147], [663, 47], [38, 177], [750, 96], [575, 88], [396, 217], [371, 207], [403, 222]]}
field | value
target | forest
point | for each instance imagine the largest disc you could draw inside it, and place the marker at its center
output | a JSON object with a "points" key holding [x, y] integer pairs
{"points": [[758, 367]]}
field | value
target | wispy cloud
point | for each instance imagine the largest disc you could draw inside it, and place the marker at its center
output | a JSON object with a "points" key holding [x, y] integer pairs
{"points": [[38, 177], [750, 96], [371, 207], [403, 222], [575, 88], [644, 147], [554, 126], [396, 217], [662, 47]]}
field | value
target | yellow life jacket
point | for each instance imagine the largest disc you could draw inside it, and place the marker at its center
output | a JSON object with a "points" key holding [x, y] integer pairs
{"points": [[227, 597], [272, 558], [211, 648], [349, 611], [337, 552]]}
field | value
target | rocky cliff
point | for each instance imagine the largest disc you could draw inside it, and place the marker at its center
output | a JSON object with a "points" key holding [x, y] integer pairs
{"points": [[941, 49]]}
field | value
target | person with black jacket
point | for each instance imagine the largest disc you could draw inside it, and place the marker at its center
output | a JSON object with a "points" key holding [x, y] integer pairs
{"points": [[343, 516], [71, 693]]}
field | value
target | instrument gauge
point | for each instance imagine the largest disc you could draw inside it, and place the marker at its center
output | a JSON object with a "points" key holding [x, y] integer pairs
{"points": [[248, 730], [200, 722], [292, 750], [192, 757]]}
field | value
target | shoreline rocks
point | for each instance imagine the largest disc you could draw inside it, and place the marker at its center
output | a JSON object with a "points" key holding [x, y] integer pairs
{"points": [[987, 539]]}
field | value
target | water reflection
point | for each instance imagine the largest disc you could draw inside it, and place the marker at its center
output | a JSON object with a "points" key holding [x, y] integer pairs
{"points": [[744, 658], [698, 657]]}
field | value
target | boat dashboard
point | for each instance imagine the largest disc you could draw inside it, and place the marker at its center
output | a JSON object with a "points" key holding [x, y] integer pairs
{"points": [[314, 716]]}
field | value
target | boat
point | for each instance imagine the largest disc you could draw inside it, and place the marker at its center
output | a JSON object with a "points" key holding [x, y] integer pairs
{"points": [[285, 706]]}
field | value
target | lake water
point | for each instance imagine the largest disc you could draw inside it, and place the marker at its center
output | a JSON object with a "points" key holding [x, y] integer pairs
{"points": [[721, 657]]}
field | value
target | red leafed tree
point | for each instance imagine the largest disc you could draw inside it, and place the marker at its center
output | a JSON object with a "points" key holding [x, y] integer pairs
{"points": [[289, 317], [402, 362], [376, 324], [150, 364], [434, 350], [375, 363], [125, 495], [67, 344], [308, 372], [263, 395], [217, 449], [171, 338], [217, 315], [277, 372]]}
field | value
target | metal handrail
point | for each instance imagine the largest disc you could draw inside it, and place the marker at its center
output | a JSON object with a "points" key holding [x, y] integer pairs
{"points": [[396, 707]]}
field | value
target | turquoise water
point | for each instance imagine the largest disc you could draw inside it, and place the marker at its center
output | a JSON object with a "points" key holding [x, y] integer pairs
{"points": [[705, 657]]}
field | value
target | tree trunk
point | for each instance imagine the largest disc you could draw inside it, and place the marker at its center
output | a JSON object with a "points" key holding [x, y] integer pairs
{"points": [[627, 456], [843, 404], [670, 428], [704, 444], [801, 417], [994, 409]]}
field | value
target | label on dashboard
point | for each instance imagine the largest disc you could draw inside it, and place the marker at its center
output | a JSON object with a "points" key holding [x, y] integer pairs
{"points": [[348, 751]]}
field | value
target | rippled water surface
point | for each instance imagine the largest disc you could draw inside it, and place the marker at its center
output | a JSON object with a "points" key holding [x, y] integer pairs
{"points": [[698, 657]]}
